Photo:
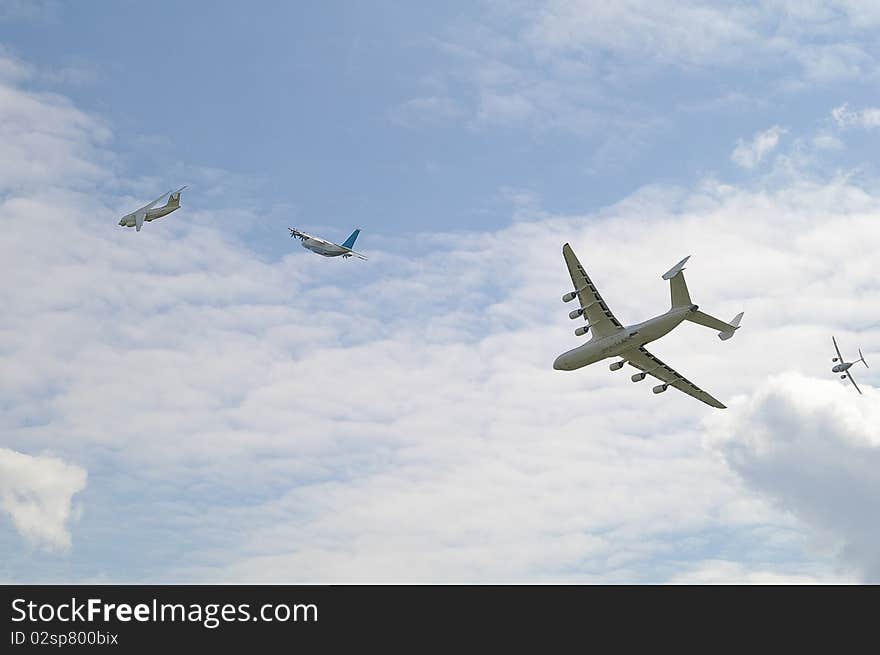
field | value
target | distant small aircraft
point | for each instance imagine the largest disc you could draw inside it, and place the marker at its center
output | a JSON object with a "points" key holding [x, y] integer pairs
{"points": [[609, 338], [327, 248], [148, 213], [844, 367]]}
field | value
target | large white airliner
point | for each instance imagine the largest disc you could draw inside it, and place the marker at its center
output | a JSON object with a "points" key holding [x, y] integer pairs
{"points": [[327, 248], [609, 338]]}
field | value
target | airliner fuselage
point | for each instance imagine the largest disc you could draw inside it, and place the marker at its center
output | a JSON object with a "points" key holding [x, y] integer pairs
{"points": [[628, 338], [324, 248]]}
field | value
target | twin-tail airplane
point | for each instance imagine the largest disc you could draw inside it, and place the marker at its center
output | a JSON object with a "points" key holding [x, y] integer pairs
{"points": [[328, 248], [610, 338], [150, 212], [843, 366]]}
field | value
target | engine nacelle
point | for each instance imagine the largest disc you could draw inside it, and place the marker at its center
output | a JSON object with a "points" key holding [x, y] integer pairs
{"points": [[843, 377], [616, 366], [582, 330], [660, 388], [638, 377], [575, 313], [834, 359], [569, 296]]}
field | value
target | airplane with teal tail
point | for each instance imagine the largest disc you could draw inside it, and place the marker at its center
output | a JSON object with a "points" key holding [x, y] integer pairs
{"points": [[328, 248]]}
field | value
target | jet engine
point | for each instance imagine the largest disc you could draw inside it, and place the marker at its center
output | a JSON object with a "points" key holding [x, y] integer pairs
{"points": [[569, 296], [638, 377], [574, 314], [834, 359], [660, 388], [616, 366], [582, 330]]}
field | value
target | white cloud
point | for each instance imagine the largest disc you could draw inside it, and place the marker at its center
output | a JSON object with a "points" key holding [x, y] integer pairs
{"points": [[421, 433], [37, 493], [868, 118], [814, 447], [749, 154]]}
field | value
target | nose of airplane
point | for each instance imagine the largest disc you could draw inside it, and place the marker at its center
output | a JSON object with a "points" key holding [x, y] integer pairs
{"points": [[559, 363]]}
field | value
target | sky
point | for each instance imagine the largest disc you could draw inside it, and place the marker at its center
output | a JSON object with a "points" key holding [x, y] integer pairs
{"points": [[206, 401]]}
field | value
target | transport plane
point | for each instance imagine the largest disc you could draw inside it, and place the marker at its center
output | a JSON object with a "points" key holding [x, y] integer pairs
{"points": [[150, 212], [610, 338], [843, 367], [328, 248]]}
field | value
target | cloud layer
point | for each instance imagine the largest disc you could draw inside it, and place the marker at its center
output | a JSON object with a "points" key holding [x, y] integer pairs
{"points": [[301, 419]]}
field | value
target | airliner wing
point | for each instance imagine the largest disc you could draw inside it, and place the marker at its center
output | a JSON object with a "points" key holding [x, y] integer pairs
{"points": [[149, 206], [140, 215], [349, 251], [645, 361], [839, 356], [853, 381], [602, 322]]}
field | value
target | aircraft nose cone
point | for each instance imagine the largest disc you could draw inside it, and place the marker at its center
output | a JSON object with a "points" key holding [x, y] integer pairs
{"points": [[559, 363]]}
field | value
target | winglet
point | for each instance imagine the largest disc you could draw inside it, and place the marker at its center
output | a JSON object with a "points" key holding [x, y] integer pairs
{"points": [[675, 270]]}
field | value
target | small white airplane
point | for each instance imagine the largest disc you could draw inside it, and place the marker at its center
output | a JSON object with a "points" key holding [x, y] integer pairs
{"points": [[611, 339], [148, 213], [327, 248], [844, 367]]}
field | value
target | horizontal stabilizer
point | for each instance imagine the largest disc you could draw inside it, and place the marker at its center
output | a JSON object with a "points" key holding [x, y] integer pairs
{"points": [[675, 270], [734, 324], [725, 330]]}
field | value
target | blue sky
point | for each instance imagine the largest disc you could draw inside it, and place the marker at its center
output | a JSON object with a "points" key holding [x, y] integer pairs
{"points": [[207, 401], [375, 114]]}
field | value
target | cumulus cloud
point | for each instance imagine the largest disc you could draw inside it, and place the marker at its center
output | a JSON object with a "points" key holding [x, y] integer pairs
{"points": [[814, 447], [749, 154], [868, 118], [37, 493]]}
